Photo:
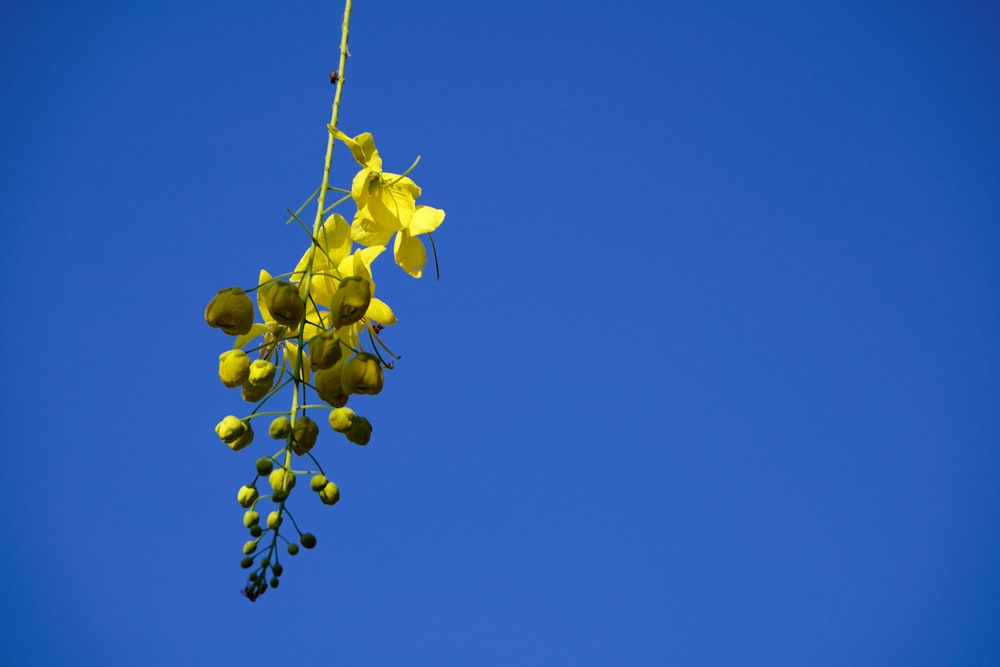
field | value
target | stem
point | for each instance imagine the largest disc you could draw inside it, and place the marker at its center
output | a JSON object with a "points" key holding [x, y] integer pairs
{"points": [[333, 119]]}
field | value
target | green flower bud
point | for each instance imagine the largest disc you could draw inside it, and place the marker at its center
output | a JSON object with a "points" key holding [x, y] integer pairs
{"points": [[252, 576], [308, 540], [246, 562], [350, 301], [247, 495], [324, 350], [277, 569], [250, 518], [273, 520], [329, 386], [280, 428], [234, 368], [250, 547], [293, 549], [281, 480], [285, 304], [340, 419], [317, 483], [330, 494], [360, 432], [230, 310], [264, 562], [264, 466], [234, 432], [362, 374], [274, 582], [305, 435], [256, 531]]}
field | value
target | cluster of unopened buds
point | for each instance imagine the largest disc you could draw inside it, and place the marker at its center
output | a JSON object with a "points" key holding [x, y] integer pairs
{"points": [[318, 338]]}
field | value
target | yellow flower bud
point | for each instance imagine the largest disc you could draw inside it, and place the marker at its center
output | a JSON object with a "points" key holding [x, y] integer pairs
{"points": [[350, 301], [281, 479], [247, 495], [324, 350], [230, 310], [362, 374], [234, 432], [249, 547], [250, 518], [285, 304], [330, 494], [280, 428], [254, 392], [360, 431], [234, 368], [274, 520], [304, 438], [329, 386], [262, 373], [340, 419], [317, 482]]}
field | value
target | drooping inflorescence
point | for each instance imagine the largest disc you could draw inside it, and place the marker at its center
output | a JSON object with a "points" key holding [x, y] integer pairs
{"points": [[317, 341]]}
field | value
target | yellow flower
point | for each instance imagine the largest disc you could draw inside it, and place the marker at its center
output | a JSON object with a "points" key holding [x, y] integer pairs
{"points": [[387, 205], [332, 262]]}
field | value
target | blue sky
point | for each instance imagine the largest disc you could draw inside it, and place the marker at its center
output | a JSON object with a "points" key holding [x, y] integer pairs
{"points": [[710, 378]]}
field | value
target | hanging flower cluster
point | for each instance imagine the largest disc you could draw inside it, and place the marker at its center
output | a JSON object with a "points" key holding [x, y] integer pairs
{"points": [[318, 336]]}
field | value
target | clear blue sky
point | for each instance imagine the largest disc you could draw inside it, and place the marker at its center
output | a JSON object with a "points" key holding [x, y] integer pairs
{"points": [[711, 376]]}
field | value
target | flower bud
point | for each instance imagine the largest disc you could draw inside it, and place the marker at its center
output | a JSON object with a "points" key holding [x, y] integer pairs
{"points": [[246, 562], [250, 547], [293, 549], [262, 373], [330, 494], [329, 386], [308, 540], [273, 520], [350, 301], [234, 432], [285, 304], [256, 531], [304, 438], [247, 495], [277, 569], [254, 392], [234, 368], [340, 419], [230, 310], [317, 483], [280, 428], [251, 518], [362, 374], [281, 480], [264, 466], [360, 431], [324, 350]]}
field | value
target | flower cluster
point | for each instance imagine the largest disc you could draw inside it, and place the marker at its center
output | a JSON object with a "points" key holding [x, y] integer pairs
{"points": [[318, 336]]}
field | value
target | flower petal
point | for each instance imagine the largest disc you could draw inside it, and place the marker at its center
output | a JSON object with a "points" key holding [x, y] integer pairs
{"points": [[410, 253], [367, 231], [425, 219], [362, 147], [379, 311]]}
